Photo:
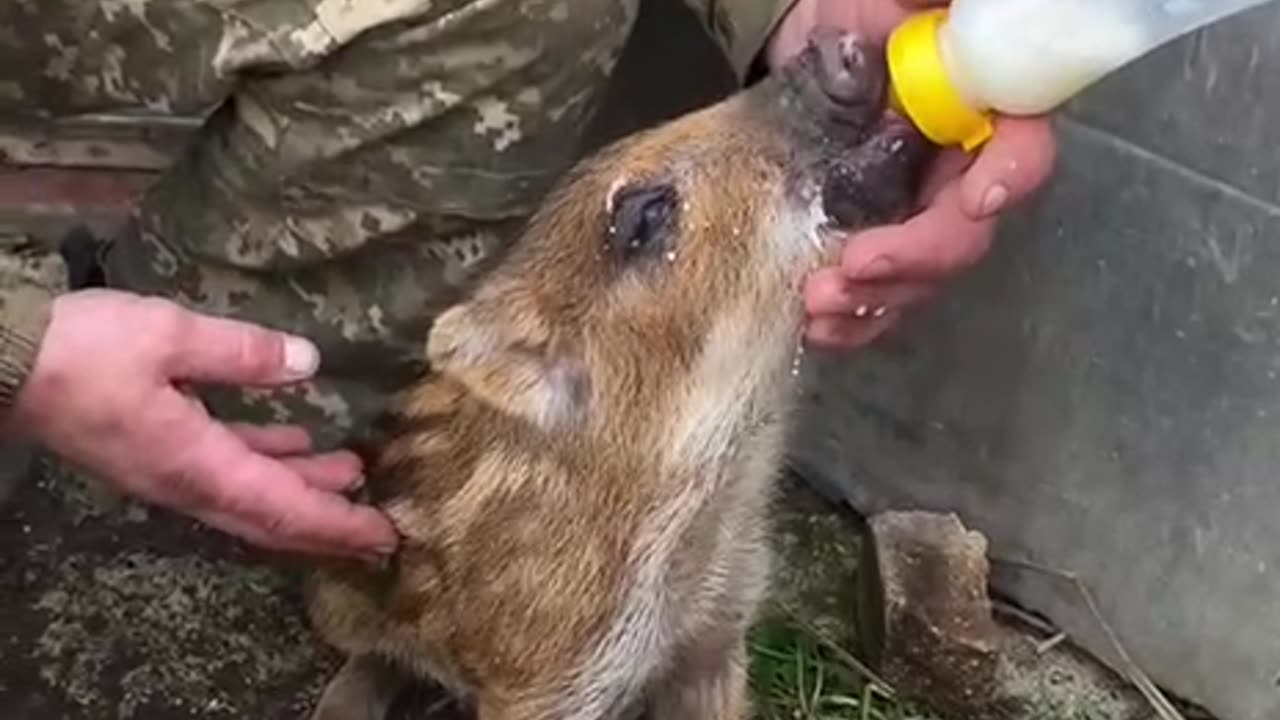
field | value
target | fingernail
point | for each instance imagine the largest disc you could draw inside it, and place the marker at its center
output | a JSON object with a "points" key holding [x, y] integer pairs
{"points": [[879, 268], [994, 199], [301, 358]]}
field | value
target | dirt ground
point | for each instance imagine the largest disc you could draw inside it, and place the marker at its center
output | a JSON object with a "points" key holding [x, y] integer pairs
{"points": [[108, 611]]}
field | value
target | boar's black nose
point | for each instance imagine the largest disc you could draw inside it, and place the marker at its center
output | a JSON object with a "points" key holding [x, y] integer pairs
{"points": [[850, 71]]}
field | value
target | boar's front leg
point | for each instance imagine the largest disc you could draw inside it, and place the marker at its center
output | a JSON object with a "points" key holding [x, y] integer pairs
{"points": [[706, 683], [363, 689]]}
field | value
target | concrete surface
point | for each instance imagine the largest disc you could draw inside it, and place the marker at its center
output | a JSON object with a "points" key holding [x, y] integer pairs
{"points": [[1102, 396]]}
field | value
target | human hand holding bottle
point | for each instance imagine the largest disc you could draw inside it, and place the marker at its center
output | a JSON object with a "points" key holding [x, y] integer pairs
{"points": [[884, 271]]}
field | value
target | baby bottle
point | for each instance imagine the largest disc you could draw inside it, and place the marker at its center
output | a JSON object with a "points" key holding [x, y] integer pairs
{"points": [[951, 69]]}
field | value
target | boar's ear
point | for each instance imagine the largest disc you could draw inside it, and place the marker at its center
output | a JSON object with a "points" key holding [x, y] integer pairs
{"points": [[510, 360]]}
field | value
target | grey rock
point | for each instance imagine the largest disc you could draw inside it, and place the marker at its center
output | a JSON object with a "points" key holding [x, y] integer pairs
{"points": [[939, 635], [939, 640]]}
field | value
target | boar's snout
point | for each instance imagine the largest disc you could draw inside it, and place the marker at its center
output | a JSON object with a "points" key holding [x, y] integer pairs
{"points": [[850, 72], [868, 159]]}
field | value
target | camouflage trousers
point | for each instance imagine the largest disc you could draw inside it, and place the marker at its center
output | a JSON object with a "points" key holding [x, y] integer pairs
{"points": [[362, 161]]}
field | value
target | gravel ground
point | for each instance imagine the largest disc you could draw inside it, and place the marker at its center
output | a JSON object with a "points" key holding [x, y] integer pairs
{"points": [[108, 611]]}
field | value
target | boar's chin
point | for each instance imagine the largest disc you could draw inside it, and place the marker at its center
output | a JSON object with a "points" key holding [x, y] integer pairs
{"points": [[877, 183], [848, 199]]}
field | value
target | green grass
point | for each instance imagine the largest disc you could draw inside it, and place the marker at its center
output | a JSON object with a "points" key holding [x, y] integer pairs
{"points": [[796, 674]]}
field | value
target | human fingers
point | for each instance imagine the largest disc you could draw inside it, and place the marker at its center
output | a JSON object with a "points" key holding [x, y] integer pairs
{"points": [[961, 201], [933, 245], [255, 535], [197, 347], [273, 439], [338, 471], [278, 504], [844, 332], [218, 475], [829, 293], [276, 500], [1013, 164]]}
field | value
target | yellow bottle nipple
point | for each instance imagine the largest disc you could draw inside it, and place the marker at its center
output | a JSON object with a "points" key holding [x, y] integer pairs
{"points": [[921, 89]]}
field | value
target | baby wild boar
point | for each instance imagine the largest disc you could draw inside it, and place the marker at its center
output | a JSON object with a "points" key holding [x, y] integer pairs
{"points": [[582, 480]]}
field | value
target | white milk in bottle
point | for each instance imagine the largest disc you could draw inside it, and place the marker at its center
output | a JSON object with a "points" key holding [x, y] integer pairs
{"points": [[952, 68], [1024, 57]]}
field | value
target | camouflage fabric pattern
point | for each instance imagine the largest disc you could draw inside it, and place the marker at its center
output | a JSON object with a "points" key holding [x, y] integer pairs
{"points": [[363, 161], [28, 277]]}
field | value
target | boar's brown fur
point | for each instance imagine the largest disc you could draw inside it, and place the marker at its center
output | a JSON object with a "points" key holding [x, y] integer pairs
{"points": [[582, 479]]}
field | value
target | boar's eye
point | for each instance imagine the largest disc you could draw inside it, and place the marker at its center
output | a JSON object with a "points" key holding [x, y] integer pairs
{"points": [[642, 221]]}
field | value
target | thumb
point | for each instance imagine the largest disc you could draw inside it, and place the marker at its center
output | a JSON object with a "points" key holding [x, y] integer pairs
{"points": [[221, 350]]}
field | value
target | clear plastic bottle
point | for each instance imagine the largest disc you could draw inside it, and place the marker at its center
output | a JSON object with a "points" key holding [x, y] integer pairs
{"points": [[952, 68]]}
